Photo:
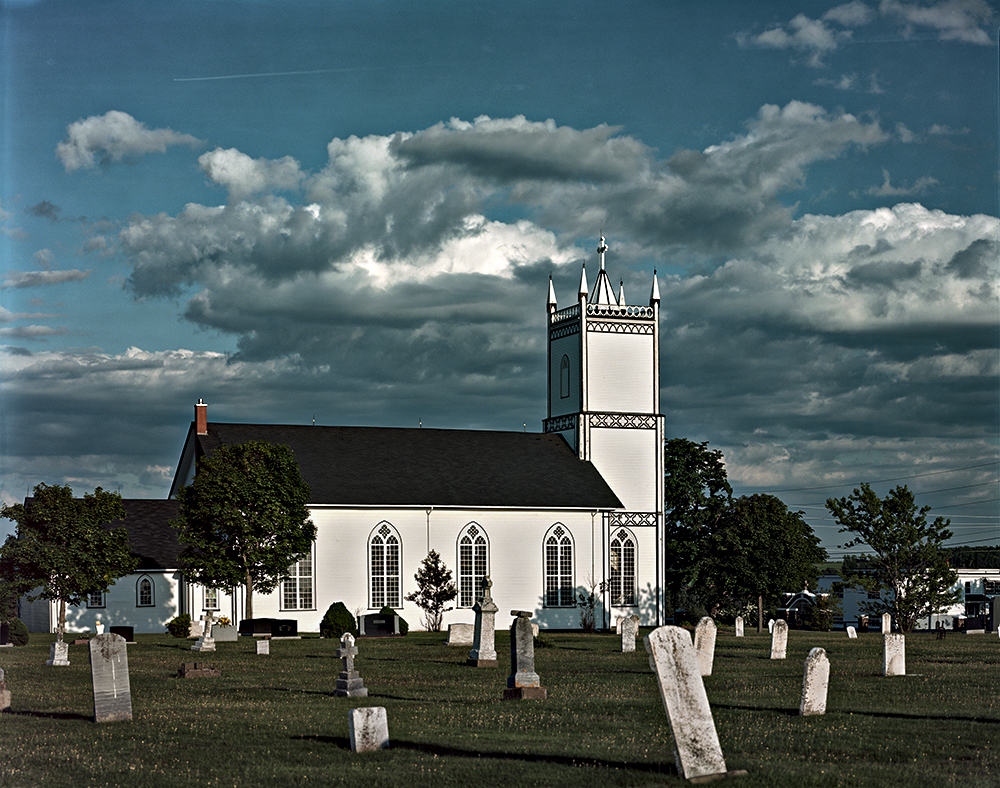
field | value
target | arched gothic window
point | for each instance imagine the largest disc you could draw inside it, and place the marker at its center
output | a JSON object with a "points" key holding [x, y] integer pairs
{"points": [[473, 563], [558, 546], [144, 592], [622, 569], [383, 567], [564, 377]]}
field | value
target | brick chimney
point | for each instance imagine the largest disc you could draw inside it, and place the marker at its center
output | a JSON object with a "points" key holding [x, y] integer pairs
{"points": [[201, 417]]}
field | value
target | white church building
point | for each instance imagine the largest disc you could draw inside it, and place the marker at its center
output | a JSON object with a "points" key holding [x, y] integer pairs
{"points": [[546, 515]]}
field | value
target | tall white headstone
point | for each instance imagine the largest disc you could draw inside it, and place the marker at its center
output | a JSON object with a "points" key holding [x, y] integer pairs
{"points": [[484, 652], [852, 633], [886, 623], [704, 645], [779, 639], [815, 681], [369, 729], [630, 629], [109, 670], [4, 693], [739, 626], [895, 655], [696, 742]]}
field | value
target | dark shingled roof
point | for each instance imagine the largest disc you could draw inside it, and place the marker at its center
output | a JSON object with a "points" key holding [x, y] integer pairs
{"points": [[383, 466]]}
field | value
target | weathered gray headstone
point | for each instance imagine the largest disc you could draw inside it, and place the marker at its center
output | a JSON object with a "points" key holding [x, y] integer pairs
{"points": [[704, 645], [263, 646], [697, 751], [895, 655], [852, 633], [886, 623], [619, 620], [349, 683], [206, 642], [4, 693], [369, 729], [484, 652], [739, 626], [58, 653], [460, 634], [523, 683], [109, 670], [815, 681], [630, 630], [779, 639], [225, 633], [770, 626]]}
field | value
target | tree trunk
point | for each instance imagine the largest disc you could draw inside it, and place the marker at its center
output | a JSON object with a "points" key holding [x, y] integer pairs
{"points": [[249, 596], [760, 613]]}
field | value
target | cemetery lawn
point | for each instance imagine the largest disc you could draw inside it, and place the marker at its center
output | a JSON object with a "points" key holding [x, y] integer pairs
{"points": [[273, 720]]}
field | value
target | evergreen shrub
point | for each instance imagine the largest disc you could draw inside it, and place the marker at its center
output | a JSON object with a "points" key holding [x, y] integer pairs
{"points": [[18, 632], [180, 627], [337, 621]]}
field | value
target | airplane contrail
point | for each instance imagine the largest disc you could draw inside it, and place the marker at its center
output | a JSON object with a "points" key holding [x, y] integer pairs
{"points": [[266, 74]]}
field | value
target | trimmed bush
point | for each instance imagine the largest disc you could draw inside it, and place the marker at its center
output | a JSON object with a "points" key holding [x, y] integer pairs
{"points": [[180, 627], [337, 621], [403, 626], [18, 632]]}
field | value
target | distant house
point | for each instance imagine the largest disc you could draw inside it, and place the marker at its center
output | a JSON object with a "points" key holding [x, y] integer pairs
{"points": [[576, 507]]}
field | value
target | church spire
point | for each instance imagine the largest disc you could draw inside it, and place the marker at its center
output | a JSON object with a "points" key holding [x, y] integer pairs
{"points": [[552, 295], [654, 294], [603, 290], [583, 283]]}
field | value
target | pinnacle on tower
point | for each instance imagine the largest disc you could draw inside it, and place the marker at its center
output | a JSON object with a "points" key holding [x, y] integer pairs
{"points": [[603, 291]]}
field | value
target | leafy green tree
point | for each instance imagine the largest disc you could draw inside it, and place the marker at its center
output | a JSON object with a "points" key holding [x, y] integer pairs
{"points": [[696, 493], [244, 519], [759, 549], [909, 566], [434, 590], [62, 549]]}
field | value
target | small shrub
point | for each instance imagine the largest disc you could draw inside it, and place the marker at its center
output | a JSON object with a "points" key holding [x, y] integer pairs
{"points": [[403, 626], [435, 590], [18, 632], [180, 627], [337, 621]]}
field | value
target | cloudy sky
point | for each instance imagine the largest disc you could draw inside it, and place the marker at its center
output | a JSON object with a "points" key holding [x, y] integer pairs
{"points": [[349, 211]]}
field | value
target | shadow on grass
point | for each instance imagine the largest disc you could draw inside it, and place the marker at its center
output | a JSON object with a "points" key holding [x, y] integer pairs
{"points": [[522, 757], [884, 714], [52, 715]]}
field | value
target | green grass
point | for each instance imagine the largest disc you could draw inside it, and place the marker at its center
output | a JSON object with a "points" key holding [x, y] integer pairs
{"points": [[273, 721]]}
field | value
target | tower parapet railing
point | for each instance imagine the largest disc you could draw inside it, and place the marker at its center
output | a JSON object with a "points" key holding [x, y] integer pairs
{"points": [[614, 310], [569, 313]]}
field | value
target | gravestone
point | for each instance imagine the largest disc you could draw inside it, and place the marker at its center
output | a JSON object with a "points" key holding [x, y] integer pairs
{"points": [[263, 646], [770, 626], [5, 635], [619, 620], [739, 626], [198, 670], [895, 655], [4, 694], [206, 642], [99, 626], [852, 633], [815, 680], [349, 683], [630, 629], [672, 657], [704, 645], [375, 625], [109, 670], [275, 627], [484, 652], [779, 639], [460, 634], [225, 633], [369, 729], [523, 683], [886, 623], [58, 653], [126, 632]]}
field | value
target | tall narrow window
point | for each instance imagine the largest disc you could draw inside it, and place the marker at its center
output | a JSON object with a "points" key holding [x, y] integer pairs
{"points": [[144, 592], [383, 551], [297, 586], [211, 599], [622, 569], [473, 555], [564, 377], [559, 567]]}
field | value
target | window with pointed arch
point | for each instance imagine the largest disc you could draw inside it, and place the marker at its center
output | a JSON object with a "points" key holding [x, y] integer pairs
{"points": [[622, 569], [559, 567], [144, 592], [383, 566], [564, 377], [473, 563]]}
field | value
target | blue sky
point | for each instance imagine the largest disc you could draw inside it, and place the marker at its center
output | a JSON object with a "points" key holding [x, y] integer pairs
{"points": [[349, 211]]}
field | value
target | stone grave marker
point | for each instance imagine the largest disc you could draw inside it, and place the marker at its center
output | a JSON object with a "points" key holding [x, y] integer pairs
{"points": [[206, 642], [770, 626], [375, 625], [99, 626], [460, 634], [198, 670], [779, 639], [109, 670], [630, 630], [349, 683], [886, 623], [815, 680], [739, 626], [523, 683], [852, 633], [369, 729], [484, 652], [697, 751], [895, 655], [619, 620], [58, 653], [704, 645], [4, 694], [263, 646]]}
